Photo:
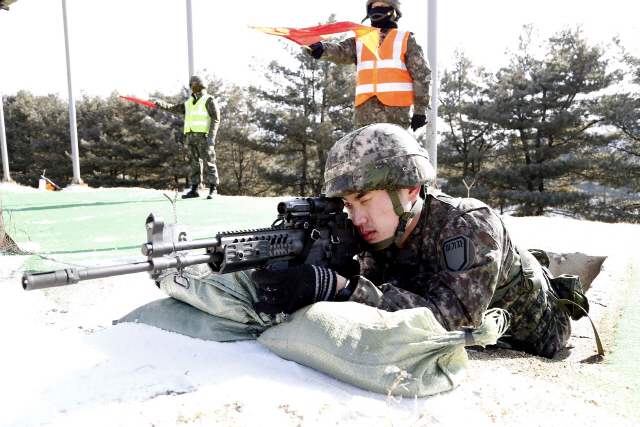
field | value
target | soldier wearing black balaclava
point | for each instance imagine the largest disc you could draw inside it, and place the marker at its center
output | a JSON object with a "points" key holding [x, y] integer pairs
{"points": [[393, 87]]}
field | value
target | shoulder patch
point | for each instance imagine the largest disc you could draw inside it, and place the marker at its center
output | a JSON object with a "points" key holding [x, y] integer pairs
{"points": [[459, 253]]}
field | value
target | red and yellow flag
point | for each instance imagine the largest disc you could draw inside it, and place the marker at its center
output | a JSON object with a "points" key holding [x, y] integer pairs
{"points": [[306, 36], [139, 101]]}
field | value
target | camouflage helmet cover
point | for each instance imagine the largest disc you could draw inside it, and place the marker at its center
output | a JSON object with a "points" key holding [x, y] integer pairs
{"points": [[393, 3], [197, 80], [381, 156]]}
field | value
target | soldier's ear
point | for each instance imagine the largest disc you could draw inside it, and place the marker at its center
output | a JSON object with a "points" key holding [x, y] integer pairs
{"points": [[414, 192]]}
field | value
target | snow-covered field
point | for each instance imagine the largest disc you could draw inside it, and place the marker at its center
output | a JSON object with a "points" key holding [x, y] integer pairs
{"points": [[64, 364]]}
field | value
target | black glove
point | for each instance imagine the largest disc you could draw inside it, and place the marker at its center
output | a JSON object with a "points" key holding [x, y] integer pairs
{"points": [[417, 121], [317, 49], [291, 289]]}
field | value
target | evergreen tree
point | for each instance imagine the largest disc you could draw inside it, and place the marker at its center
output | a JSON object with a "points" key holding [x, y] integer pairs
{"points": [[622, 112], [619, 163], [124, 145], [237, 157], [303, 111], [544, 107], [37, 129], [467, 142]]}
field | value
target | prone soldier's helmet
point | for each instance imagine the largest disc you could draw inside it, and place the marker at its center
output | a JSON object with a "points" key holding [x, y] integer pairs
{"points": [[395, 4], [197, 80], [380, 156]]}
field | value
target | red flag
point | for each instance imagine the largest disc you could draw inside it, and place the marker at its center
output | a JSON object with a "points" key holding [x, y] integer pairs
{"points": [[139, 101], [306, 36]]}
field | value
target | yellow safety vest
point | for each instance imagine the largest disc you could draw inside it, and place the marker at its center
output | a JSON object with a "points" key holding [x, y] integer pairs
{"points": [[196, 116]]}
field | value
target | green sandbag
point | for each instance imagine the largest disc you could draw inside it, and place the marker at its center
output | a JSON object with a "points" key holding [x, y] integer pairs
{"points": [[407, 352], [206, 306], [176, 316]]}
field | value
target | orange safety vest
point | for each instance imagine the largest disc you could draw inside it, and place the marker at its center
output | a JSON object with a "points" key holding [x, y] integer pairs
{"points": [[387, 77]]}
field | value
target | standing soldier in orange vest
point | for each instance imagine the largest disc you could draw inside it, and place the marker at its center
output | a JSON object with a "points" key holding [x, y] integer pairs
{"points": [[201, 121], [387, 87]]}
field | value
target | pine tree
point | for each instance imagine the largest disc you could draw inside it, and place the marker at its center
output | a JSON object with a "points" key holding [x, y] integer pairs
{"points": [[303, 111], [467, 142], [618, 164], [543, 105], [37, 128], [237, 157]]}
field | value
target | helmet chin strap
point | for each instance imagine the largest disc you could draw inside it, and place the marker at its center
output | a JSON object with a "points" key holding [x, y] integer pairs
{"points": [[405, 217]]}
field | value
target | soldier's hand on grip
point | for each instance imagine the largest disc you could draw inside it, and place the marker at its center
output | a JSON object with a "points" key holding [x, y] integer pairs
{"points": [[293, 288]]}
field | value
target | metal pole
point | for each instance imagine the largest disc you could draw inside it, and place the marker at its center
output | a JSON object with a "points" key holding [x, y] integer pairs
{"points": [[72, 106], [190, 39], [432, 56], [3, 143]]}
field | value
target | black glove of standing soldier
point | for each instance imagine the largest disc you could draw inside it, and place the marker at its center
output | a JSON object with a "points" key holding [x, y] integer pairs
{"points": [[293, 288], [316, 50], [417, 121]]}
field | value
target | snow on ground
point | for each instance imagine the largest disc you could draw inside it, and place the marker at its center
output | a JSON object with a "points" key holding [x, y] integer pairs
{"points": [[64, 364]]}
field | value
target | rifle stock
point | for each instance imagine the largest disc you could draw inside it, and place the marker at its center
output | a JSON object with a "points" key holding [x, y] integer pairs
{"points": [[311, 231]]}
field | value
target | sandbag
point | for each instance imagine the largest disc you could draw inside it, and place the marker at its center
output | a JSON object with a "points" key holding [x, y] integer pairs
{"points": [[407, 352], [176, 316], [206, 306]]}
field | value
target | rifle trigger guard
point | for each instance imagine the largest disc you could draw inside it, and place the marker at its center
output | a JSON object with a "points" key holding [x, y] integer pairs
{"points": [[315, 235]]}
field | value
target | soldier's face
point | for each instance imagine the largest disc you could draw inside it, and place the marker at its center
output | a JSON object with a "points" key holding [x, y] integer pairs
{"points": [[372, 212], [195, 87]]}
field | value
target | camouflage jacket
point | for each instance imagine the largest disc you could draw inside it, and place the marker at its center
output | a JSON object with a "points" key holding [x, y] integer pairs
{"points": [[417, 65], [211, 106], [453, 261]]}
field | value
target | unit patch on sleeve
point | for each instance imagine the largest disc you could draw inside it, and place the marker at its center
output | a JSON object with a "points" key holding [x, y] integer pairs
{"points": [[459, 253]]}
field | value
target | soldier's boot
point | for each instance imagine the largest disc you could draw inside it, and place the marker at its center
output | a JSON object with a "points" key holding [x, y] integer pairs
{"points": [[212, 191], [192, 193]]}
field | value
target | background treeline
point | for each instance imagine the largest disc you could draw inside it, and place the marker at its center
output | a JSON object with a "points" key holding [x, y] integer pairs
{"points": [[556, 131]]}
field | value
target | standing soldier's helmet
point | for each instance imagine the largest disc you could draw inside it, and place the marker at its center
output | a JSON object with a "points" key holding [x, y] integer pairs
{"points": [[395, 4], [197, 80], [381, 156]]}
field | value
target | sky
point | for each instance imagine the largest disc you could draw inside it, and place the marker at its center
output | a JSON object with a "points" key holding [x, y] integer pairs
{"points": [[140, 47]]}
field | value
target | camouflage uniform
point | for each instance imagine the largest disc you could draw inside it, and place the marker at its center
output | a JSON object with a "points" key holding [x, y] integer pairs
{"points": [[374, 111], [458, 260], [197, 141]]}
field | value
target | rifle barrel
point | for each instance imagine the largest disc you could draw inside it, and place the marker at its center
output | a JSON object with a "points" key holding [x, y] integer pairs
{"points": [[70, 276]]}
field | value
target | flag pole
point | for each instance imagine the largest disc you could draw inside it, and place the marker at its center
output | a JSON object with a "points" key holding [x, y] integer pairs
{"points": [[73, 128], [432, 56], [3, 143], [190, 39]]}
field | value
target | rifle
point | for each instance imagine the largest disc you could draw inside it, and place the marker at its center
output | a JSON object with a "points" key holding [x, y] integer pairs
{"points": [[306, 231]]}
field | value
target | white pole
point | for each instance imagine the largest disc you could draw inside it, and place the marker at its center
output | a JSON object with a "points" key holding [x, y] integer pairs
{"points": [[73, 129], [3, 143], [190, 39], [432, 56]]}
